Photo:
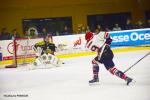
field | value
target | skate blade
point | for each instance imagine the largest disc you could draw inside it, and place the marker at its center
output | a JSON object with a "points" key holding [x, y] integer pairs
{"points": [[94, 84]]}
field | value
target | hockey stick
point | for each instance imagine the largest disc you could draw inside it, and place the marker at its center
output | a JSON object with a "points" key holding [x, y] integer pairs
{"points": [[103, 47], [136, 62]]}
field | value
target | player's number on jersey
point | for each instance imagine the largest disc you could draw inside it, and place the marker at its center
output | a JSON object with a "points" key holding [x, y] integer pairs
{"points": [[94, 48]]}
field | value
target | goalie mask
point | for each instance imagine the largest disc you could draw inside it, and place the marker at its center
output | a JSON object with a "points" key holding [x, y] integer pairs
{"points": [[47, 38], [88, 36]]}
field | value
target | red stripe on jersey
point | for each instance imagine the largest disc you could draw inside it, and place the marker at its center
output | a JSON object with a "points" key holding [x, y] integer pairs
{"points": [[89, 44]]}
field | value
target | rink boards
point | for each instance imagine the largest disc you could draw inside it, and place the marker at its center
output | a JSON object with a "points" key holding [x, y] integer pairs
{"points": [[74, 45]]}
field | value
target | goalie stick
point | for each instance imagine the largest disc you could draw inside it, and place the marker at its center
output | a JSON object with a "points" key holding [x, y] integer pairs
{"points": [[136, 62]]}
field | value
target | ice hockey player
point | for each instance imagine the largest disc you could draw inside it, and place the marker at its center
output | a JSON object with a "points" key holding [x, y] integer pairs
{"points": [[45, 54], [101, 44]]}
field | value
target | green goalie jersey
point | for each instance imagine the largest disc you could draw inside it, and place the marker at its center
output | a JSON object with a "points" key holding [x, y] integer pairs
{"points": [[47, 47]]}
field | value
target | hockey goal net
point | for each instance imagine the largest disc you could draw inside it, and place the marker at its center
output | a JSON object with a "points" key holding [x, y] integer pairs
{"points": [[22, 51]]}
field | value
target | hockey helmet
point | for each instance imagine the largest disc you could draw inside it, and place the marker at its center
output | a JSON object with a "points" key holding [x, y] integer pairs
{"points": [[88, 36]]}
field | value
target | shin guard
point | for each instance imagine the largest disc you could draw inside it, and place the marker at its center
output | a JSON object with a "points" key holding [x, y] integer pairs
{"points": [[95, 69], [117, 72]]}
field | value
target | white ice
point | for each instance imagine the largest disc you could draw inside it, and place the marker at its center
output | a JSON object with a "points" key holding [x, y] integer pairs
{"points": [[70, 81]]}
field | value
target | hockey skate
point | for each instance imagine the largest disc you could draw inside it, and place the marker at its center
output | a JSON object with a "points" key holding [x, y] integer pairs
{"points": [[129, 81], [94, 81]]}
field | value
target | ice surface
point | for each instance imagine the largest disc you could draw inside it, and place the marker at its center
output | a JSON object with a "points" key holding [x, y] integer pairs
{"points": [[70, 81]]}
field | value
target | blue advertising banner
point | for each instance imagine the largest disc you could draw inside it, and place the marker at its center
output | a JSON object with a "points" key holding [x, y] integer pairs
{"points": [[134, 37]]}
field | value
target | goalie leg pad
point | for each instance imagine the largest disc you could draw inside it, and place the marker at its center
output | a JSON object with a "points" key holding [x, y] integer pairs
{"points": [[54, 60], [37, 62]]}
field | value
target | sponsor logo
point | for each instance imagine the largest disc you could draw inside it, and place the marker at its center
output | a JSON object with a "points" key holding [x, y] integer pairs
{"points": [[77, 42], [20, 47], [62, 46], [134, 36], [25, 48], [10, 47]]}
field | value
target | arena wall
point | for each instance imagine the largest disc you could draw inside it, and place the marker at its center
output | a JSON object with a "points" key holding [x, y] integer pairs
{"points": [[74, 45]]}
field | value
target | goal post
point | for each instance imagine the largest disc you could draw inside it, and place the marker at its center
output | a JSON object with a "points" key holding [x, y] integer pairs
{"points": [[23, 52], [14, 60]]}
